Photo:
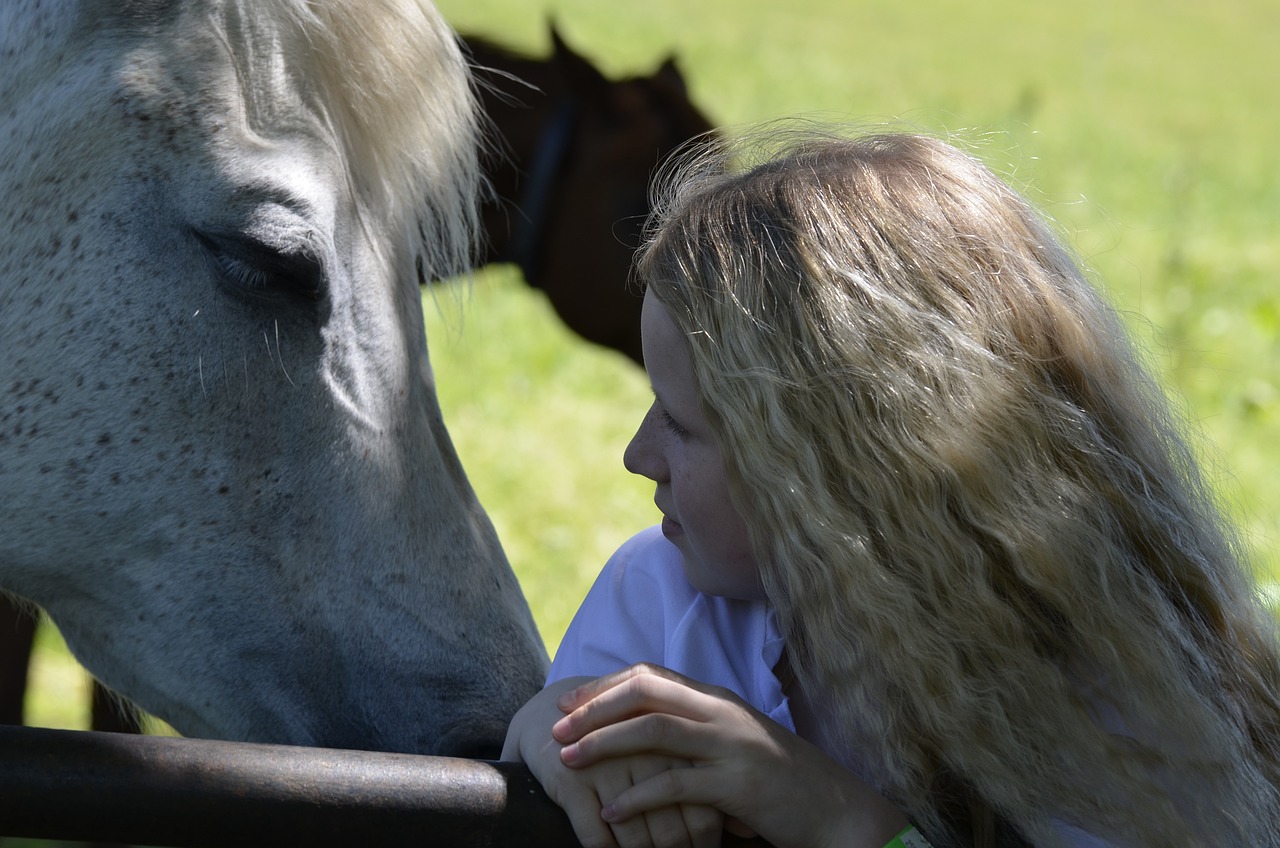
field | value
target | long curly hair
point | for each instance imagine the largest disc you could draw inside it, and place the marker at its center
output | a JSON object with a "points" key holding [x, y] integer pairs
{"points": [[985, 534]]}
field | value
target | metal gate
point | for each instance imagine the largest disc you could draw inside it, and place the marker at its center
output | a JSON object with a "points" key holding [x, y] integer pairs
{"points": [[150, 790]]}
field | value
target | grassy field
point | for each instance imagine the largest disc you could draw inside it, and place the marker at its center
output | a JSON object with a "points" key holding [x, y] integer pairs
{"points": [[1147, 128], [1142, 127]]}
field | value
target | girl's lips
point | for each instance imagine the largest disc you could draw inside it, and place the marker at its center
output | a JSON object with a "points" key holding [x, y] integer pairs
{"points": [[671, 529]]}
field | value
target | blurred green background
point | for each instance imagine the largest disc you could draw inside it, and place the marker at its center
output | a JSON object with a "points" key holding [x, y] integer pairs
{"points": [[1147, 128]]}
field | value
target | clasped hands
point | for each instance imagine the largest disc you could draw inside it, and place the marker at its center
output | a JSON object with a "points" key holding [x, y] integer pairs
{"points": [[648, 758]]}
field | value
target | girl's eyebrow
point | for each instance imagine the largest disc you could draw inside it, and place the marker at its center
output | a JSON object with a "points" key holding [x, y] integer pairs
{"points": [[659, 402], [657, 397]]}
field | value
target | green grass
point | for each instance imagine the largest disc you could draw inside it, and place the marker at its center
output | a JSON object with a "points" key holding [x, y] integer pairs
{"points": [[540, 420], [1146, 128], [1142, 127]]}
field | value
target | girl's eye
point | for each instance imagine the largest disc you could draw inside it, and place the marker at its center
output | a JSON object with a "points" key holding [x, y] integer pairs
{"points": [[674, 425]]}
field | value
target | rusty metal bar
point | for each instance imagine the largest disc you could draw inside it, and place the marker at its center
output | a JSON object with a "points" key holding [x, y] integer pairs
{"points": [[194, 792], [197, 793]]}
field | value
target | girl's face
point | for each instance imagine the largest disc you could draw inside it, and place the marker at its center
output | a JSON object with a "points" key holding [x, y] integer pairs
{"points": [[675, 448]]}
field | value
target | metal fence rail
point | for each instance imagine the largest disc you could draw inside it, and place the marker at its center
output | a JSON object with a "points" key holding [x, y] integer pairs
{"points": [[195, 793]]}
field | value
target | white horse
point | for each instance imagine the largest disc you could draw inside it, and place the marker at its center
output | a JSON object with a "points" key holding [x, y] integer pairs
{"points": [[223, 470]]}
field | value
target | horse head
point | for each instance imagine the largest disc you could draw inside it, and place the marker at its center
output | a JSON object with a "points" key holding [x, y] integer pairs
{"points": [[223, 469], [572, 190]]}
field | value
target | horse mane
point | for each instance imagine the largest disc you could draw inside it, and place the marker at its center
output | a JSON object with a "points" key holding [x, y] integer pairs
{"points": [[389, 78]]}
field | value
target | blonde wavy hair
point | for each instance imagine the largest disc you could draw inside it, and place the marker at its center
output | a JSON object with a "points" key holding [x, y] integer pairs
{"points": [[988, 543]]}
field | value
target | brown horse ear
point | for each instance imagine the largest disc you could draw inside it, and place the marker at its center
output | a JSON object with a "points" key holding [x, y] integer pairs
{"points": [[581, 77], [669, 73]]}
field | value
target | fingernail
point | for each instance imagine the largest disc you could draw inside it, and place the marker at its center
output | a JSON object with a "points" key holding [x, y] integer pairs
{"points": [[607, 812], [565, 701], [560, 730], [569, 754]]}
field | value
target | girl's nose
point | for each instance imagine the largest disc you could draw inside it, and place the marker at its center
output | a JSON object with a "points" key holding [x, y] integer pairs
{"points": [[640, 457]]}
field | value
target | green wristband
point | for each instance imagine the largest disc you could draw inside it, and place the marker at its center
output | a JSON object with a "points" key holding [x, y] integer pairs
{"points": [[909, 838]]}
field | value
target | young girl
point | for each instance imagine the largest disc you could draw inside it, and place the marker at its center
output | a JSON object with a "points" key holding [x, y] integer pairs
{"points": [[923, 507]]}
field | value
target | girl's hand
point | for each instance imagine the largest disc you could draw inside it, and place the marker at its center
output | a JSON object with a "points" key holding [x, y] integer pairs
{"points": [[583, 792], [766, 779]]}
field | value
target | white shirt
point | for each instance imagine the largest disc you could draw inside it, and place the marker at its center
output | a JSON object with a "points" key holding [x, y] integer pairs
{"points": [[641, 609]]}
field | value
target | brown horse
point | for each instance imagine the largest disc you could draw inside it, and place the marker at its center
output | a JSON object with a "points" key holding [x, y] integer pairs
{"points": [[573, 159], [572, 191]]}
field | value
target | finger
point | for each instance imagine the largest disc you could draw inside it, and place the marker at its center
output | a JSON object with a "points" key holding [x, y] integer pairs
{"points": [[634, 832], [685, 826], [611, 780], [705, 825], [666, 827], [655, 733], [663, 827], [584, 812], [638, 695], [689, 787], [530, 726], [576, 697]]}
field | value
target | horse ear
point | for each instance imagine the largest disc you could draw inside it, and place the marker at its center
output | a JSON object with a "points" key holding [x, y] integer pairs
{"points": [[580, 76], [669, 72]]}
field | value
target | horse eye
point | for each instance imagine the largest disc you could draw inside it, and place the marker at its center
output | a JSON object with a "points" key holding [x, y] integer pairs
{"points": [[253, 269]]}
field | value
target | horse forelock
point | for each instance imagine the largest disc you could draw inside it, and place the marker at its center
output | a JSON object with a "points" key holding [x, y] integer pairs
{"points": [[391, 84]]}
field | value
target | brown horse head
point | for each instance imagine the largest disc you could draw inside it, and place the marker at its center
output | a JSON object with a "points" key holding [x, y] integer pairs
{"points": [[571, 177]]}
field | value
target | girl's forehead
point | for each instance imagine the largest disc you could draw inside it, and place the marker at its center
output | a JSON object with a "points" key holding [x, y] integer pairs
{"points": [[657, 329], [666, 350]]}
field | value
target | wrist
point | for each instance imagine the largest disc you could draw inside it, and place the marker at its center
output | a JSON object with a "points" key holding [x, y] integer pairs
{"points": [[873, 823]]}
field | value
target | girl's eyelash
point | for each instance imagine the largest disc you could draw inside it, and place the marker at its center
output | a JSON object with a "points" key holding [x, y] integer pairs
{"points": [[673, 425]]}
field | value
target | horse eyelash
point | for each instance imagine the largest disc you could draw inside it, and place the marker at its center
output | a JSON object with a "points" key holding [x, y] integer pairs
{"points": [[242, 273]]}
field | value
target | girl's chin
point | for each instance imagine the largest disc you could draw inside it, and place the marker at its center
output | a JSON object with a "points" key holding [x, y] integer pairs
{"points": [[671, 529]]}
